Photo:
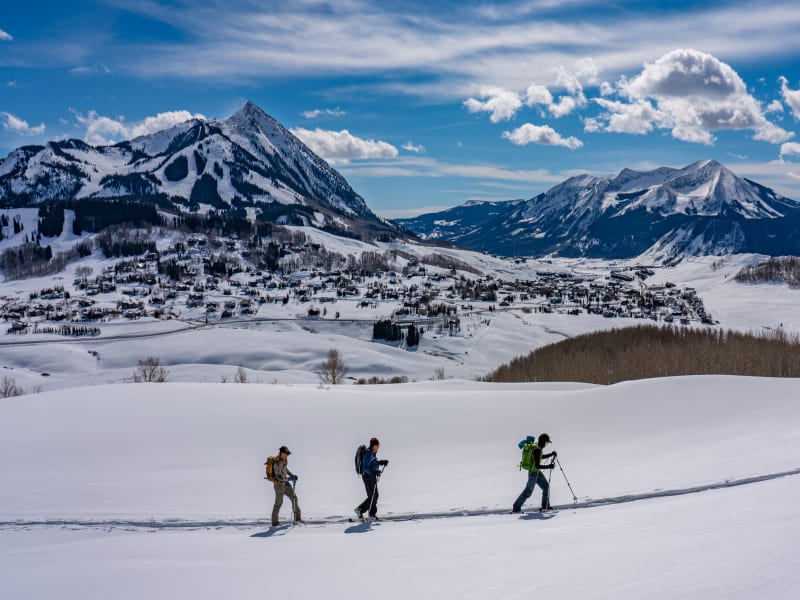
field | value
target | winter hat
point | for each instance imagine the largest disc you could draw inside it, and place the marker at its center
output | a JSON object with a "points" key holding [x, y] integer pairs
{"points": [[543, 439], [285, 450], [374, 442]]}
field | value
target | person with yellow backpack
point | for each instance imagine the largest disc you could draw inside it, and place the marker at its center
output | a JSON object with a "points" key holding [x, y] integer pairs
{"points": [[283, 480], [531, 461]]}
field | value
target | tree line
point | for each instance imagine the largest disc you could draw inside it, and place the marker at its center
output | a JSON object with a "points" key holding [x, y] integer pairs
{"points": [[642, 352]]}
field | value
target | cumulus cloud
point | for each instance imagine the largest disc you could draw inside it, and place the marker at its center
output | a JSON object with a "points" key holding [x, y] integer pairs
{"points": [[540, 134], [502, 104], [340, 147], [418, 149], [318, 112], [694, 95], [637, 117], [5, 36], [540, 95], [19, 126], [606, 89], [792, 97], [790, 148], [774, 107], [101, 131]]}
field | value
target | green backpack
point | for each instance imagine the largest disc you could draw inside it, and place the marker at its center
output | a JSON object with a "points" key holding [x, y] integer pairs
{"points": [[526, 463]]}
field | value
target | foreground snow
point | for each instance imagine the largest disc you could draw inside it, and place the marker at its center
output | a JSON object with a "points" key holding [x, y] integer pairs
{"points": [[175, 452]]}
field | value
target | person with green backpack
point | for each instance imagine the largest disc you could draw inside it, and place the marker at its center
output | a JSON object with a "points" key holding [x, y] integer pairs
{"points": [[531, 462]]}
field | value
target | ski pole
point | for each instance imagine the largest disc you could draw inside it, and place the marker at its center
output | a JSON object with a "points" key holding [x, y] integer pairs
{"points": [[574, 497], [294, 500]]}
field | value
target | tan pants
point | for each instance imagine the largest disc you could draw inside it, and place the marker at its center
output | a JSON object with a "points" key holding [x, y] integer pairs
{"points": [[281, 489]]}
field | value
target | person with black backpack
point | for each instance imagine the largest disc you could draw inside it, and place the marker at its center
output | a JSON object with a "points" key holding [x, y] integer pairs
{"points": [[283, 480], [531, 462], [370, 473]]}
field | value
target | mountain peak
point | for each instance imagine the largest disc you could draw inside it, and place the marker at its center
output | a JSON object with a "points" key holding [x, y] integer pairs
{"points": [[708, 164], [251, 111], [703, 208]]}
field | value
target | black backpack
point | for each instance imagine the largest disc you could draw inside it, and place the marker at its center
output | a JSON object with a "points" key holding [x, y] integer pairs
{"points": [[360, 451]]}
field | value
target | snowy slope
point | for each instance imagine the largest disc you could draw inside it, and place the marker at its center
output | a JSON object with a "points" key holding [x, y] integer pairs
{"points": [[181, 454]]}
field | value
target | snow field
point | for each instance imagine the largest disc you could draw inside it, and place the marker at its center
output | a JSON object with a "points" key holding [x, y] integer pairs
{"points": [[184, 451]]}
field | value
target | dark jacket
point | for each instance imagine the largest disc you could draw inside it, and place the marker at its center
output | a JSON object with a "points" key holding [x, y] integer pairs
{"points": [[537, 459], [371, 465]]}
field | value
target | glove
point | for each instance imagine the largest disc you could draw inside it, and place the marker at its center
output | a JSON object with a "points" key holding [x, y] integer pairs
{"points": [[554, 453], [293, 478], [383, 463]]}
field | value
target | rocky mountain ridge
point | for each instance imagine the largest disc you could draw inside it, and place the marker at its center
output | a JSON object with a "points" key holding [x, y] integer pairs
{"points": [[703, 208]]}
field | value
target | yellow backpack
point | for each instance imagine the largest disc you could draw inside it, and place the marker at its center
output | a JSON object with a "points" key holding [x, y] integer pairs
{"points": [[270, 473]]}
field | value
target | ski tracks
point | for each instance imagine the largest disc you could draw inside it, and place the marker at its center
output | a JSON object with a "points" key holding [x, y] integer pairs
{"points": [[175, 524]]}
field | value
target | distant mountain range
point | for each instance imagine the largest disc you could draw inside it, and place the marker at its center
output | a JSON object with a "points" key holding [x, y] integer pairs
{"points": [[248, 163], [702, 209]]}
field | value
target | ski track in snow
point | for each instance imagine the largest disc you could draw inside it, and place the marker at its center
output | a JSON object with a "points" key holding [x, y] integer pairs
{"points": [[190, 525]]}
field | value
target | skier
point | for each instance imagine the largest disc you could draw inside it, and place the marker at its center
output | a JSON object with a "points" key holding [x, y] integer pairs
{"points": [[282, 478], [535, 476], [371, 472]]}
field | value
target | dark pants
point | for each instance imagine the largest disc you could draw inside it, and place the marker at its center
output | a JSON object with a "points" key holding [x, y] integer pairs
{"points": [[534, 479], [370, 505]]}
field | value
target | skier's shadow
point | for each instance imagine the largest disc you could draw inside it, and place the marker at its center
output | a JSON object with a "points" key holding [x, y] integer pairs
{"points": [[271, 532], [359, 528]]}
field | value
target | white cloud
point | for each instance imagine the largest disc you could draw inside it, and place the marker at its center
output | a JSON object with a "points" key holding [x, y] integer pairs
{"points": [[540, 134], [591, 125], [417, 166], [606, 89], [19, 126], [794, 176], [340, 147], [101, 131], [418, 149], [636, 118], [774, 107], [5, 36], [695, 95], [792, 97], [790, 148], [318, 112], [502, 104], [538, 94]]}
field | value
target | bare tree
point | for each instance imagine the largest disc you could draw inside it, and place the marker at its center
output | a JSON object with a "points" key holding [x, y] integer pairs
{"points": [[9, 387], [241, 375], [333, 369], [150, 370]]}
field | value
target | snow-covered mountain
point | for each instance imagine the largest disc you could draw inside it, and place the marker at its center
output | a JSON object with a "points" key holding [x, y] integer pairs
{"points": [[247, 162], [701, 209]]}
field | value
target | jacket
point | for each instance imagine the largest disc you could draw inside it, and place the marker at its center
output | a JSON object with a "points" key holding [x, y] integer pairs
{"points": [[371, 465]]}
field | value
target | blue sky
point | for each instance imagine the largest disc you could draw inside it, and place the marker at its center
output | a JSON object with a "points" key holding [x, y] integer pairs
{"points": [[424, 107]]}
